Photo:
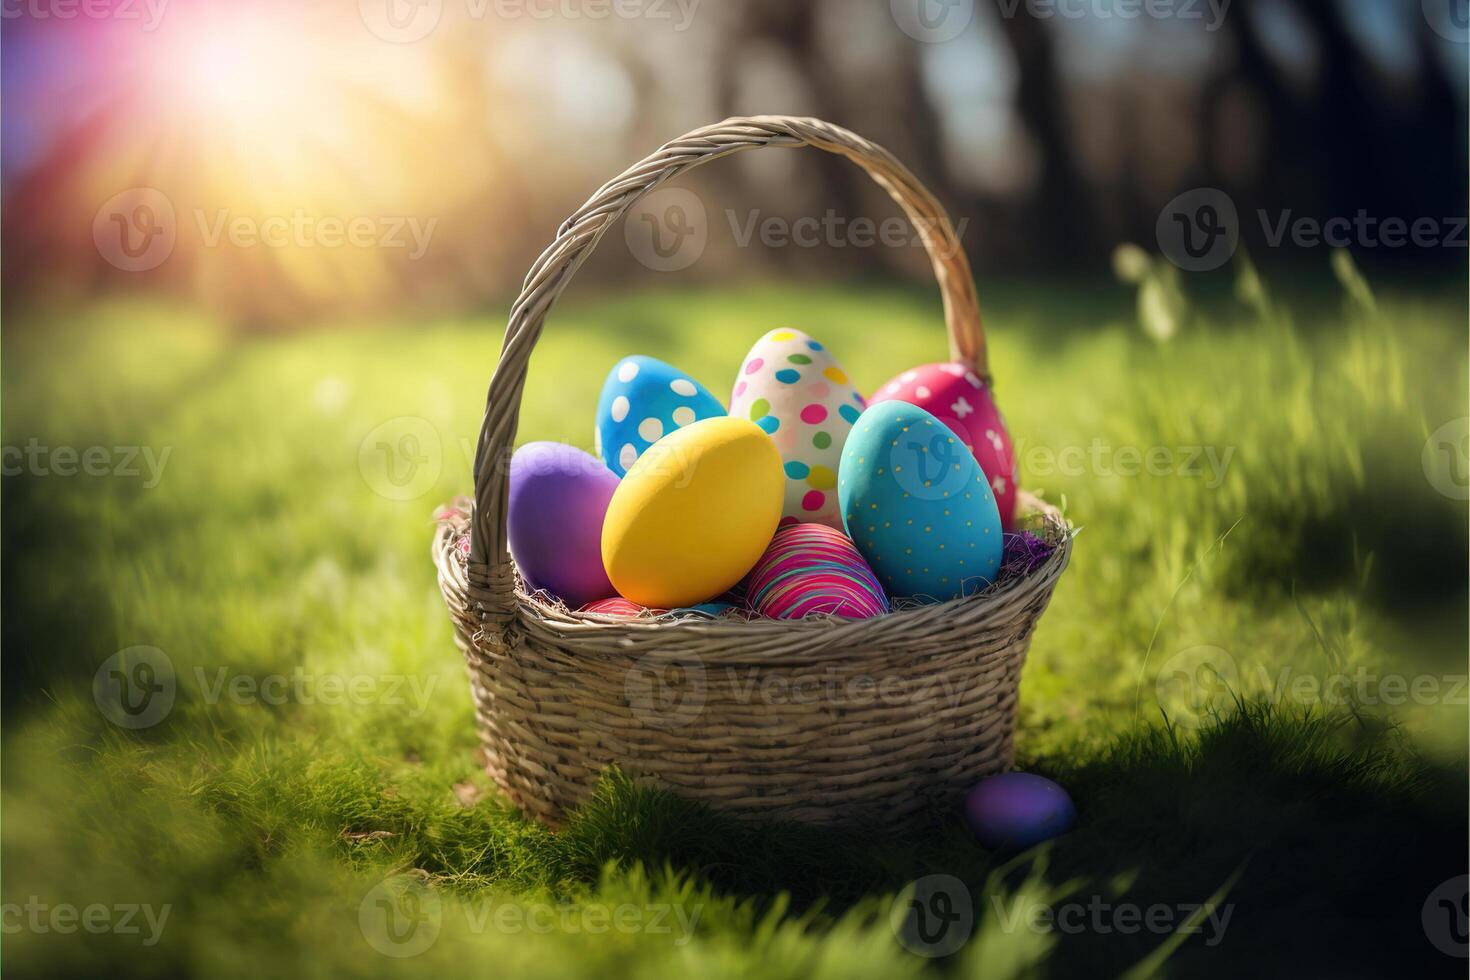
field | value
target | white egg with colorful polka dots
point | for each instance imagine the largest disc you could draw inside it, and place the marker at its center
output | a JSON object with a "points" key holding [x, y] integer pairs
{"points": [[794, 389], [642, 401]]}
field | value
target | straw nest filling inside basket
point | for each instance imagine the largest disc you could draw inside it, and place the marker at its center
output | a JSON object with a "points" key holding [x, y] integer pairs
{"points": [[857, 722]]}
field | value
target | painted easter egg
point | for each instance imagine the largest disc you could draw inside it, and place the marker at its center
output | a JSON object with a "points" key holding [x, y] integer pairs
{"points": [[693, 514], [1017, 810], [791, 387], [708, 610], [917, 504], [643, 400], [558, 498], [962, 400], [618, 606], [812, 568]]}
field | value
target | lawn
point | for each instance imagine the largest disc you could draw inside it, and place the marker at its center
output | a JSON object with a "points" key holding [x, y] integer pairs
{"points": [[239, 519]]}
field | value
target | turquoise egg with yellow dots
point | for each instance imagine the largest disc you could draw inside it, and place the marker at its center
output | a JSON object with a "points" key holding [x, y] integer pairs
{"points": [[917, 504]]}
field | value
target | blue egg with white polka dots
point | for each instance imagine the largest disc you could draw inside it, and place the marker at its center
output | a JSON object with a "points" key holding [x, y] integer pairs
{"points": [[918, 505], [643, 400]]}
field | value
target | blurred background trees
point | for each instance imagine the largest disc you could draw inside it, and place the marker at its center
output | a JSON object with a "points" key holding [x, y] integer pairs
{"points": [[1052, 130]]}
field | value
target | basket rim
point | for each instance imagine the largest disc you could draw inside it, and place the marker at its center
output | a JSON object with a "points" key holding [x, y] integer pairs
{"points": [[726, 639]]}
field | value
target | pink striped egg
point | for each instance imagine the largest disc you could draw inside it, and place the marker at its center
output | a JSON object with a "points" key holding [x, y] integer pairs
{"points": [[811, 569]]}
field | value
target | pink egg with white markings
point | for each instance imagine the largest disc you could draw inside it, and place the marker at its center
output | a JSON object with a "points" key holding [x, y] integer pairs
{"points": [[794, 389], [962, 400]]}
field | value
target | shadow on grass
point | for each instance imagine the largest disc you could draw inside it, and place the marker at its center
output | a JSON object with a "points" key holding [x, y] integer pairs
{"points": [[1338, 834], [1416, 563], [56, 612]]}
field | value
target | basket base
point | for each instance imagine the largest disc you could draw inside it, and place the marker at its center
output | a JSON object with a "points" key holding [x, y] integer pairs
{"points": [[825, 764]]}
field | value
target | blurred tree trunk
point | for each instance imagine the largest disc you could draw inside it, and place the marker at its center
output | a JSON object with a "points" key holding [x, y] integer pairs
{"points": [[1065, 228], [791, 28], [1338, 145]]}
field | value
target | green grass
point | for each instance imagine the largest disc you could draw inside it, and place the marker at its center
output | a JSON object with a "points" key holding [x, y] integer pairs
{"points": [[266, 549]]}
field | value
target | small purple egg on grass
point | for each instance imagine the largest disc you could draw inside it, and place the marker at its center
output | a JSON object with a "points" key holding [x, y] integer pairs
{"points": [[558, 499], [1016, 810]]}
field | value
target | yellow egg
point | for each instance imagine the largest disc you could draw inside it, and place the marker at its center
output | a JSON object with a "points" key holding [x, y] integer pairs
{"points": [[694, 513]]}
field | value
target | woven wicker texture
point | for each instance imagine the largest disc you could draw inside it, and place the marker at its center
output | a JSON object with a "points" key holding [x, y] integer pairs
{"points": [[860, 722]]}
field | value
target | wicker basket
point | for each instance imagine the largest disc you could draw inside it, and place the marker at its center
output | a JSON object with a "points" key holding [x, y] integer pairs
{"points": [[857, 722]]}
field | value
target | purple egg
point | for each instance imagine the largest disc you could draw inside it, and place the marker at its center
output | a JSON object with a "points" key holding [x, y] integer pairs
{"points": [[1016, 810], [558, 498]]}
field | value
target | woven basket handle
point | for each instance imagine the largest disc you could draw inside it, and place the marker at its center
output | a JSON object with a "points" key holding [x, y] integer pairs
{"points": [[491, 578]]}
